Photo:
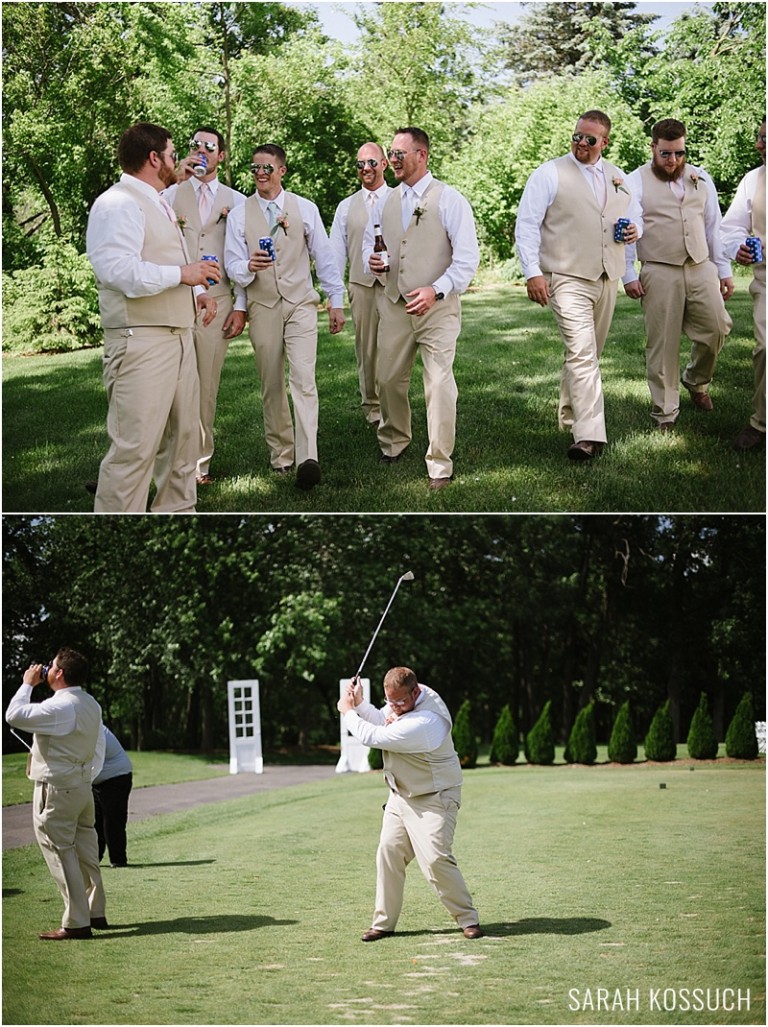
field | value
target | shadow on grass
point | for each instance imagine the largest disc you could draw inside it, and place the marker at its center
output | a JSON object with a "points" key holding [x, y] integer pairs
{"points": [[547, 925], [194, 925], [173, 863]]}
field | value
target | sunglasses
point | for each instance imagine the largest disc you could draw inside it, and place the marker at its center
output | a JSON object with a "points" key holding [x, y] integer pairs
{"points": [[677, 154], [195, 144], [370, 162], [578, 136], [266, 168], [399, 154]]}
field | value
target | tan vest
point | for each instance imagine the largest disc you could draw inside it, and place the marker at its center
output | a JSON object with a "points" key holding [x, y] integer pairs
{"points": [[358, 217], [576, 236], [205, 240], [163, 244], [758, 207], [290, 277], [421, 773], [421, 254], [65, 760], [673, 232]]}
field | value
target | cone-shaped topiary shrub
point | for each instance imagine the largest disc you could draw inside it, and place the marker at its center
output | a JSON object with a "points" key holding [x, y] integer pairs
{"points": [[582, 745], [464, 738], [741, 737], [505, 747], [702, 744], [660, 741], [375, 759], [540, 740], [622, 747]]}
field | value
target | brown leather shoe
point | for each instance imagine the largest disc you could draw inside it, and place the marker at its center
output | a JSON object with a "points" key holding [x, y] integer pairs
{"points": [[308, 475], [473, 931], [435, 484], [701, 400], [585, 450], [748, 438], [65, 933], [92, 487], [374, 935], [99, 922]]}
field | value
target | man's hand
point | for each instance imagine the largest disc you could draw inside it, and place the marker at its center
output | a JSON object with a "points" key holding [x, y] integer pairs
{"points": [[185, 166], [199, 273], [744, 256], [336, 320], [376, 264], [538, 290], [423, 300], [33, 675], [726, 288], [260, 260], [634, 290], [209, 306], [234, 324], [345, 703], [630, 233]]}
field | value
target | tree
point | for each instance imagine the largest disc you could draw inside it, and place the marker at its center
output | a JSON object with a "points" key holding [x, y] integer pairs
{"points": [[660, 741], [741, 737], [464, 739], [582, 746], [540, 740], [505, 745], [702, 743], [622, 747]]}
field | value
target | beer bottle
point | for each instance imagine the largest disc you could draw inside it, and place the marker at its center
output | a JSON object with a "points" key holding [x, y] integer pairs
{"points": [[380, 247]]}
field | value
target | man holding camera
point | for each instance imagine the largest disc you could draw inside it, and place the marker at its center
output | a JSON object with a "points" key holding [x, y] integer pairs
{"points": [[67, 743]]}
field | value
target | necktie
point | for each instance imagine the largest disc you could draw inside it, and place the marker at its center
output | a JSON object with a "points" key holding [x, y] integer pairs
{"points": [[408, 203], [272, 213], [598, 184], [168, 210], [678, 188], [205, 201]]}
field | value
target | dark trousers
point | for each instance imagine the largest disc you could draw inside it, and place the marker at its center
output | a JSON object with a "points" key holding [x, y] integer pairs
{"points": [[111, 799]]}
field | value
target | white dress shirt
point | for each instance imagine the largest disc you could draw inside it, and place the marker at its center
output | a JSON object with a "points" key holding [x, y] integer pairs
{"points": [[736, 225], [538, 196], [54, 716], [237, 254], [415, 731], [339, 238], [712, 221], [457, 219]]}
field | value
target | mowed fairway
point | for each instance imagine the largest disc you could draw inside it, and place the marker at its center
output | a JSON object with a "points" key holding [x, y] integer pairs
{"points": [[250, 911]]}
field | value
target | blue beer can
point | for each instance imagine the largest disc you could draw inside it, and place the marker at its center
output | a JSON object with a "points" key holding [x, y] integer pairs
{"points": [[268, 245], [755, 247], [207, 256], [620, 229], [201, 169]]}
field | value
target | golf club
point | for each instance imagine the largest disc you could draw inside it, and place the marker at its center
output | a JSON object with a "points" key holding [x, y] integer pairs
{"points": [[408, 576]]}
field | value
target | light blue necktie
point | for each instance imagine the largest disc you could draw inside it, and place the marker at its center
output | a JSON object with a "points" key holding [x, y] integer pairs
{"points": [[272, 214]]}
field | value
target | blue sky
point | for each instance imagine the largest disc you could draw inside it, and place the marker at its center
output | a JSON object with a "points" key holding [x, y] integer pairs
{"points": [[337, 23]]}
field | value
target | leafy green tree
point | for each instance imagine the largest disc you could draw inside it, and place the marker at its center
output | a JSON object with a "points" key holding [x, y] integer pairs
{"points": [[464, 738], [741, 737], [582, 745], [375, 759], [702, 743], [505, 745], [660, 741], [622, 747], [540, 740]]}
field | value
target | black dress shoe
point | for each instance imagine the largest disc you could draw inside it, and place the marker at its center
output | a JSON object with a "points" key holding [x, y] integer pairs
{"points": [[308, 474], [384, 459], [473, 931], [91, 486], [99, 922], [66, 933], [585, 450], [374, 935]]}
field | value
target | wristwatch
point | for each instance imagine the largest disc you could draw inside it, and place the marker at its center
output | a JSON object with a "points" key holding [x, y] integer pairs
{"points": [[439, 295]]}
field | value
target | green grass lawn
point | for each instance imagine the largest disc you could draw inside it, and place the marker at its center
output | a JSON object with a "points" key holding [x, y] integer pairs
{"points": [[509, 455], [250, 911]]}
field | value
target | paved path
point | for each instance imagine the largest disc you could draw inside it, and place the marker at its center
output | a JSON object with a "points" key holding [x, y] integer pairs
{"points": [[149, 802]]}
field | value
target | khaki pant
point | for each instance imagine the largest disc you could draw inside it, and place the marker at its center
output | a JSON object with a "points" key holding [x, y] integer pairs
{"points": [[421, 827], [150, 375], [63, 820], [681, 299], [210, 349], [433, 336], [280, 333], [583, 311], [757, 289], [365, 313]]}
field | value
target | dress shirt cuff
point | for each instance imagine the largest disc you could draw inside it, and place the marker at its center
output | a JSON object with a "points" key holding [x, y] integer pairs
{"points": [[337, 301], [443, 285]]}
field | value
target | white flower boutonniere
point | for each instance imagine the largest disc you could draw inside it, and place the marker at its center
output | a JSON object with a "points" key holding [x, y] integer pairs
{"points": [[223, 215], [282, 222], [618, 183], [181, 222], [694, 179]]}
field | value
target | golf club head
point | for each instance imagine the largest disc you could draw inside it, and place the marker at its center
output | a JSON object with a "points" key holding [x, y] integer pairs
{"points": [[408, 576]]}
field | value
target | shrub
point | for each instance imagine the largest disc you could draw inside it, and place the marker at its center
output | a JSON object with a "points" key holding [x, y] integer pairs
{"points": [[464, 736], [540, 740], [660, 741], [53, 306], [741, 737], [375, 759], [622, 747], [505, 746], [702, 744], [582, 744]]}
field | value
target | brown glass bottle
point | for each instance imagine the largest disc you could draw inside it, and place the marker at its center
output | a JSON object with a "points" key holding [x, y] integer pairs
{"points": [[380, 247]]}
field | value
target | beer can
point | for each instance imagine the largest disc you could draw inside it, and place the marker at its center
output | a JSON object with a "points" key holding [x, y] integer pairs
{"points": [[755, 247], [201, 170], [620, 229], [268, 244], [207, 256]]}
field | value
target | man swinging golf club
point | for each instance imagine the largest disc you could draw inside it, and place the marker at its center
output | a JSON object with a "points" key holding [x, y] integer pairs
{"points": [[423, 773]]}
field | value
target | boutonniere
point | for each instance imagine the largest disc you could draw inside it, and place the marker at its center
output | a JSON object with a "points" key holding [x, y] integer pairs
{"points": [[282, 222], [223, 215], [618, 183], [419, 213], [181, 222], [694, 179]]}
